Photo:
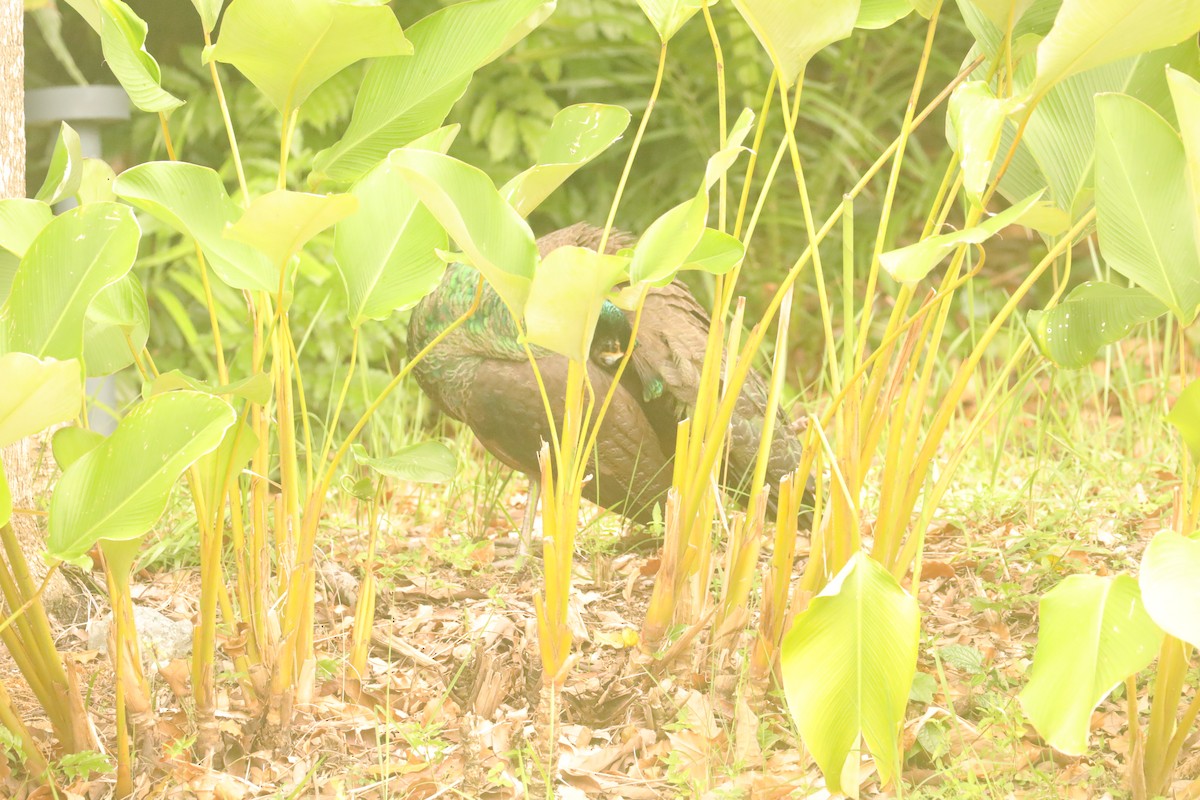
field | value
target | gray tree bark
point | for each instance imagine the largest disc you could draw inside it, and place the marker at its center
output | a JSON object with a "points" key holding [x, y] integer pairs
{"points": [[27, 464]]}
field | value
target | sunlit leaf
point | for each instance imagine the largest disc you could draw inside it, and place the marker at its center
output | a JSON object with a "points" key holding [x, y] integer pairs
{"points": [[1170, 579], [119, 489], [848, 663], [875, 14], [281, 222], [387, 252], [21, 221], [71, 443], [1185, 94], [717, 253], [1093, 632], [96, 184], [1185, 416], [1145, 218], [192, 200], [577, 135], [1002, 13], [424, 462], [117, 326], [209, 11], [71, 260], [914, 262], [402, 98], [495, 238], [1093, 315], [257, 388], [66, 168], [36, 394], [793, 31], [1058, 148], [978, 117], [123, 40], [669, 241], [1089, 33], [668, 16], [569, 288], [287, 48]]}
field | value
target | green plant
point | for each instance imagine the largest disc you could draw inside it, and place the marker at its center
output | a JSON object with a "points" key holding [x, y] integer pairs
{"points": [[74, 298]]}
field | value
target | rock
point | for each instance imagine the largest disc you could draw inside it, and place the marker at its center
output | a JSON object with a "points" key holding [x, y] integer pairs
{"points": [[160, 638]]}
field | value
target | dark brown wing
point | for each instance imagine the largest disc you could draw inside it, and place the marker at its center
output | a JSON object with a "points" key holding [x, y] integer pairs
{"points": [[669, 355]]}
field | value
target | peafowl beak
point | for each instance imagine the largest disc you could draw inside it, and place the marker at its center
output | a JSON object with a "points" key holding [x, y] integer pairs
{"points": [[610, 357]]}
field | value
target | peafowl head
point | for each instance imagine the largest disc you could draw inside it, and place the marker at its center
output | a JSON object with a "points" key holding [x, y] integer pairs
{"points": [[612, 336]]}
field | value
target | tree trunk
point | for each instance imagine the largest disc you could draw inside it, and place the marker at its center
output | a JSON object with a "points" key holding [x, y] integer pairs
{"points": [[27, 463]]}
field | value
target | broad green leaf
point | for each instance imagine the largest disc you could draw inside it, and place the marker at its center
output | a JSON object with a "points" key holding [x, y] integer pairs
{"points": [[119, 490], [1185, 416], [95, 186], [1144, 211], [1093, 633], [281, 222], [717, 253], [495, 238], [5, 498], [36, 394], [387, 253], [403, 98], [123, 40], [21, 221], [569, 288], [71, 260], [1170, 583], [793, 31], [89, 10], [66, 168], [1185, 94], [1030, 29], [914, 262], [1091, 33], [257, 388], [287, 48], [876, 14], [1003, 12], [116, 320], [577, 135], [848, 664], [424, 462], [192, 200], [977, 117], [71, 443], [1094, 315], [209, 11], [1058, 148], [670, 240], [8, 271], [668, 16]]}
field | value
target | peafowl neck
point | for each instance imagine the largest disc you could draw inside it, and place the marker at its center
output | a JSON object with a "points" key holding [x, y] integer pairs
{"points": [[445, 372]]}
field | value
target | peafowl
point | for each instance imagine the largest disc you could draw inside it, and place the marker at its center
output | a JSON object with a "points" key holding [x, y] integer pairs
{"points": [[480, 375]]}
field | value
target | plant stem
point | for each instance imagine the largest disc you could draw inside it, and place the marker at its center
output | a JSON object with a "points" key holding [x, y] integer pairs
{"points": [[637, 141]]}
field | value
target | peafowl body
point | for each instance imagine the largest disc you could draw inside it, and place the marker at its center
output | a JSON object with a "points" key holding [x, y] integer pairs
{"points": [[480, 375]]}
